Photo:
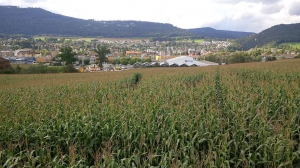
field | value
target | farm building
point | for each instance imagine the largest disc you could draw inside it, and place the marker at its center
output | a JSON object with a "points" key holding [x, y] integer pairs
{"points": [[4, 64], [184, 61]]}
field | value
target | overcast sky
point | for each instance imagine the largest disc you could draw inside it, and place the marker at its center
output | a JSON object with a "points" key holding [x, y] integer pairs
{"points": [[245, 15]]}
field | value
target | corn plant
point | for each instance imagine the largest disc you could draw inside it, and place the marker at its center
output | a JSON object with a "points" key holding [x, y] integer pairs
{"points": [[243, 115]]}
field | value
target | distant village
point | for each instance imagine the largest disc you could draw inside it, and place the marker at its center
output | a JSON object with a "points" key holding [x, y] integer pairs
{"points": [[45, 50], [143, 52]]}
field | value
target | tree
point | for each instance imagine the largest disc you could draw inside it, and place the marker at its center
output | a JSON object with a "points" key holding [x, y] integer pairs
{"points": [[86, 61], [67, 55], [124, 61], [102, 51]]}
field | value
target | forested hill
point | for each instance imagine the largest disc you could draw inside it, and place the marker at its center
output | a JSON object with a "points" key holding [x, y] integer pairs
{"points": [[275, 35], [33, 21], [37, 21], [223, 34]]}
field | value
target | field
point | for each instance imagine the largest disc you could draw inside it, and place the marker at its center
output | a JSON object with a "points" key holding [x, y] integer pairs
{"points": [[199, 40], [90, 39], [243, 115], [195, 40], [66, 38], [25, 66], [294, 45]]}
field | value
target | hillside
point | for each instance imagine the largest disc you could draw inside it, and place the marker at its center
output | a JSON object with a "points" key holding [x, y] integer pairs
{"points": [[37, 21], [275, 35], [223, 34]]}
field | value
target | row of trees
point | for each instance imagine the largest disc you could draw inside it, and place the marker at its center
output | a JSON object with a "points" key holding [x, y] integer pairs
{"points": [[131, 61], [231, 58], [39, 69], [68, 56]]}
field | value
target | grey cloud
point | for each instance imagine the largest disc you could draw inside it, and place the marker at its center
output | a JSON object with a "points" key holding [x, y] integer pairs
{"points": [[295, 9], [270, 9], [248, 23]]}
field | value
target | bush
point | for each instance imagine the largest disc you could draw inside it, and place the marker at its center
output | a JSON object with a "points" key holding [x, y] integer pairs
{"points": [[132, 81], [41, 69], [136, 78], [271, 58], [7, 71], [86, 61], [18, 69], [69, 69], [35, 69], [55, 69]]}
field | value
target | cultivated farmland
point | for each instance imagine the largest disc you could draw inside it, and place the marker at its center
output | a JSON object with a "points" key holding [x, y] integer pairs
{"points": [[244, 115]]}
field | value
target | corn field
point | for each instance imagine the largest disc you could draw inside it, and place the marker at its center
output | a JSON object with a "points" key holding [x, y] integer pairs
{"points": [[243, 115]]}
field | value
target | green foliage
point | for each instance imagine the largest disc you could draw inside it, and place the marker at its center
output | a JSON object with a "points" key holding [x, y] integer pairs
{"points": [[233, 57], [234, 47], [131, 82], [7, 71], [125, 61], [256, 52], [116, 61], [136, 78], [102, 51], [131, 61], [18, 69], [294, 45], [240, 57], [212, 58], [272, 36], [67, 55], [298, 56], [220, 34], [148, 60], [40, 69], [224, 116], [35, 69], [271, 58], [86, 61], [69, 69]]}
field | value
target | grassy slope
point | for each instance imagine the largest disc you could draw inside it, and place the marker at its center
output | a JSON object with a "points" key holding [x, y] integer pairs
{"points": [[294, 45], [90, 39], [199, 40]]}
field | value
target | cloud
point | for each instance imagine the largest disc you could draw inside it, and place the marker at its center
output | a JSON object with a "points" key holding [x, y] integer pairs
{"points": [[271, 9], [237, 15], [33, 1], [246, 22], [22, 3], [295, 9], [250, 1]]}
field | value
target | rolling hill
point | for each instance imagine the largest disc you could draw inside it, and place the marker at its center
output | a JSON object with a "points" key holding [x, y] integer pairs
{"points": [[223, 34], [283, 33], [37, 21]]}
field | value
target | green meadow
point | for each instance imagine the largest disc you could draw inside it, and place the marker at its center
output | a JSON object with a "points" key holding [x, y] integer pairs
{"points": [[66, 38], [294, 45], [199, 40]]}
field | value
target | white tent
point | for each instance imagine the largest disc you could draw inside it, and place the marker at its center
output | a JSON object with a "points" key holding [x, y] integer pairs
{"points": [[187, 61]]}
